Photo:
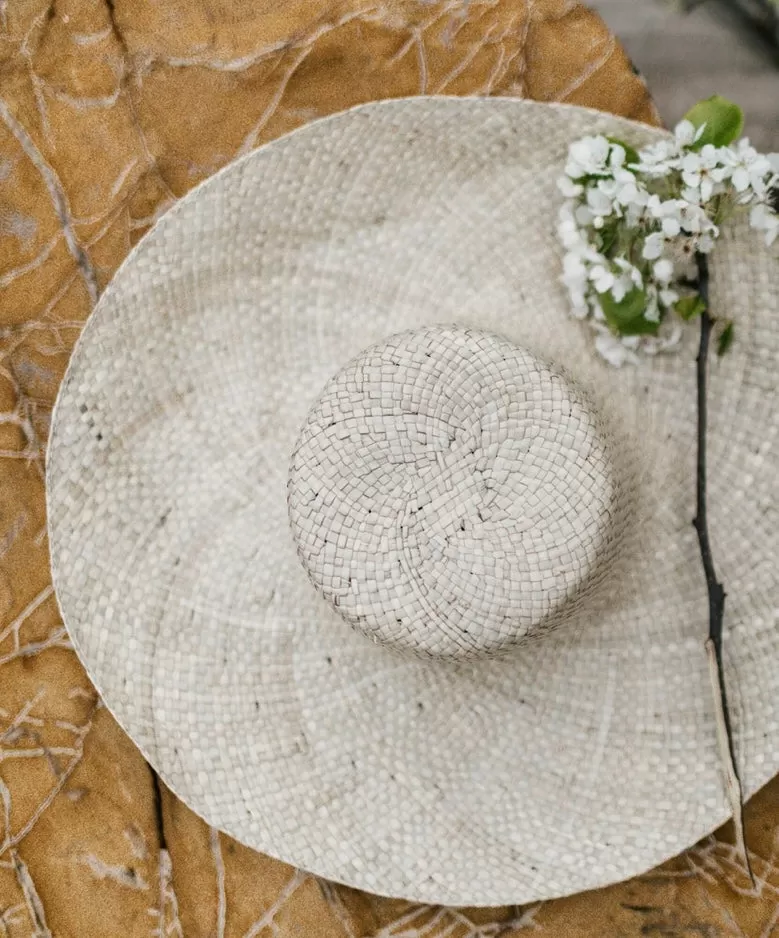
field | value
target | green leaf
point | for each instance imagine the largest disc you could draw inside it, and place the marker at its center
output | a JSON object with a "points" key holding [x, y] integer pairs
{"points": [[626, 317], [723, 121], [630, 307], [608, 235], [640, 326], [688, 307], [725, 339], [631, 154], [588, 178]]}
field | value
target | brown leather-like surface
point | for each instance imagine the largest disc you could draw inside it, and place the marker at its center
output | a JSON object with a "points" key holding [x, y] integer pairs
{"points": [[109, 112]]}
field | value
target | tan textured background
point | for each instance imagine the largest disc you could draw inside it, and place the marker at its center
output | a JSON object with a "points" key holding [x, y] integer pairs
{"points": [[109, 112]]}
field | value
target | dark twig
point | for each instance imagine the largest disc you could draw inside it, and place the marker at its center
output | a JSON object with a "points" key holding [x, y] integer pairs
{"points": [[157, 802], [715, 588]]}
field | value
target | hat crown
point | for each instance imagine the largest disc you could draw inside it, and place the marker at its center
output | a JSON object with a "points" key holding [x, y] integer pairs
{"points": [[450, 493]]}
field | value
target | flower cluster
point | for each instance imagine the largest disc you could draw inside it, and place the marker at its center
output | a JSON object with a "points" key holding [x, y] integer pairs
{"points": [[633, 222]]}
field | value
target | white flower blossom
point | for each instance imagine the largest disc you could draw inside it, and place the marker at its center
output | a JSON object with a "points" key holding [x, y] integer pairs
{"points": [[668, 297], [697, 170], [668, 212], [629, 193], [583, 216], [599, 202], [628, 279], [629, 226], [596, 308], [617, 157], [658, 159], [569, 235], [762, 218], [608, 187], [663, 270], [654, 246], [629, 270], [602, 278], [746, 168], [686, 134], [652, 312], [691, 196], [588, 157], [572, 237], [569, 188], [613, 349]]}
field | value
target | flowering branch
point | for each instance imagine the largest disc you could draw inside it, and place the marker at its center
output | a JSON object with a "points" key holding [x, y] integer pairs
{"points": [[714, 586], [637, 226], [634, 220]]}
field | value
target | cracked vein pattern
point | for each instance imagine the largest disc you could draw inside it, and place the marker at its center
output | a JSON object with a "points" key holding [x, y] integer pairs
{"points": [[109, 113]]}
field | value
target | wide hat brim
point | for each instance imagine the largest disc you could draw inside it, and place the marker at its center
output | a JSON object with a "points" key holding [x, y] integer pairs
{"points": [[582, 759]]}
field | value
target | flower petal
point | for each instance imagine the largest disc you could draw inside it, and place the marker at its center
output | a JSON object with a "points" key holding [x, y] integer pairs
{"points": [[663, 270], [671, 227], [584, 216], [653, 246], [740, 179], [569, 188], [685, 133]]}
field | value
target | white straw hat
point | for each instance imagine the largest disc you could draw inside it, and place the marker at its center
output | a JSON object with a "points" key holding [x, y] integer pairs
{"points": [[336, 392]]}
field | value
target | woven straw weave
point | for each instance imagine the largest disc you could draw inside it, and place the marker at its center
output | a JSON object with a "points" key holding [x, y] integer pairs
{"points": [[450, 494], [580, 758]]}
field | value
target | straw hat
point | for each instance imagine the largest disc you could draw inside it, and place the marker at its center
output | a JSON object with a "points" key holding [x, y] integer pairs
{"points": [[336, 396]]}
